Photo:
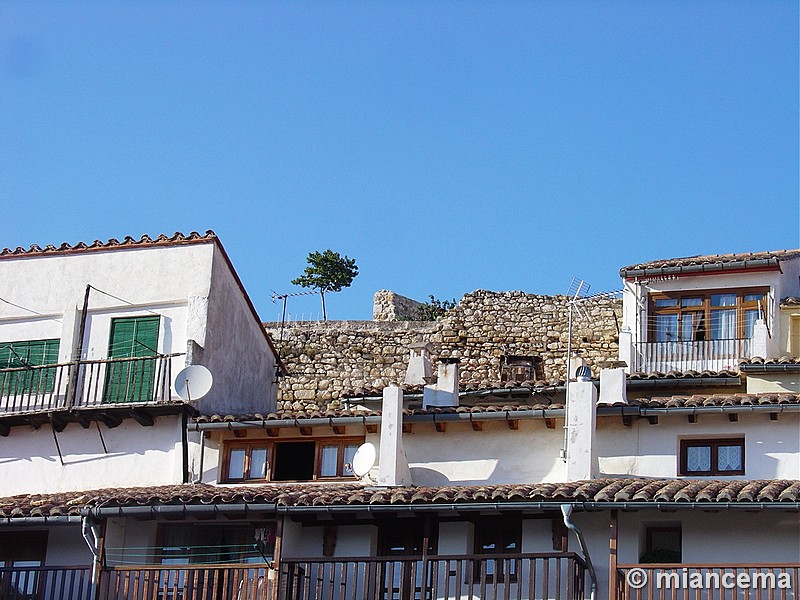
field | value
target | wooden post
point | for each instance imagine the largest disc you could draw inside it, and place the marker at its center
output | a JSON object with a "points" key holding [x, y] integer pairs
{"points": [[276, 558], [612, 556], [426, 536]]}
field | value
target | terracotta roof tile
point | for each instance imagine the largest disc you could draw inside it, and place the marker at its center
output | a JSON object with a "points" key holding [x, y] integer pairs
{"points": [[113, 243], [712, 261]]}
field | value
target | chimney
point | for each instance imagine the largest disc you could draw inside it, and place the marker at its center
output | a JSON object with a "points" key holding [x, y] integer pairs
{"points": [[393, 465], [575, 362], [419, 364], [582, 409], [613, 385], [445, 391]]}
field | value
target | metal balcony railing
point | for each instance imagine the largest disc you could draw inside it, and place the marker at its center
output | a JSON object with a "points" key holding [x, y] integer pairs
{"points": [[86, 383], [46, 583], [706, 355]]}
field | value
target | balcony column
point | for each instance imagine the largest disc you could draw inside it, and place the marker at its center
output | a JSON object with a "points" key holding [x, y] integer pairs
{"points": [[759, 343], [626, 348]]}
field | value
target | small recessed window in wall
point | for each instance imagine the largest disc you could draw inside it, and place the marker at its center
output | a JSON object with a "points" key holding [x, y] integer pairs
{"points": [[521, 368], [712, 456], [662, 544]]}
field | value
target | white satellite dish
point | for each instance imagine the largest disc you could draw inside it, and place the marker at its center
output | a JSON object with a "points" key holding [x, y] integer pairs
{"points": [[364, 459], [193, 382]]}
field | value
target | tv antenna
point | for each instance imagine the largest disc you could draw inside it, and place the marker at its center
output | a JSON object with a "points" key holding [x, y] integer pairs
{"points": [[193, 382], [276, 296], [578, 295]]}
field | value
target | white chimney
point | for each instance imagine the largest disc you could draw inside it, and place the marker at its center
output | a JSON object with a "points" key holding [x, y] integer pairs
{"points": [[445, 391], [419, 364], [393, 465], [613, 385], [582, 412]]}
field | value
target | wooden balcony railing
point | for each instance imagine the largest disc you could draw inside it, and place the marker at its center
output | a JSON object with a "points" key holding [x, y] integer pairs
{"points": [[708, 582], [86, 383], [186, 582], [553, 576], [711, 355], [45, 583]]}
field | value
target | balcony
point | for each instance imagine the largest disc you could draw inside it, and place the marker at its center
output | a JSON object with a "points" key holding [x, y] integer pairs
{"points": [[86, 383], [708, 582], [45, 583], [555, 576], [707, 355]]}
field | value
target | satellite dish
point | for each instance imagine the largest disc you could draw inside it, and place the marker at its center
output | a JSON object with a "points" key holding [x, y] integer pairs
{"points": [[193, 382], [364, 459]]}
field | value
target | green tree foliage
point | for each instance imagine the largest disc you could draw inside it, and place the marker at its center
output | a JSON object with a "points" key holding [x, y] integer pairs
{"points": [[435, 308], [327, 271]]}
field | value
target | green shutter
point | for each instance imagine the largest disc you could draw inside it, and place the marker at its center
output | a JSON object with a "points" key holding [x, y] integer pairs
{"points": [[29, 353], [131, 381]]}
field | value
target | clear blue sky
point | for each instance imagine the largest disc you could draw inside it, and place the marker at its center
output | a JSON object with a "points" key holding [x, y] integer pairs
{"points": [[447, 146]]}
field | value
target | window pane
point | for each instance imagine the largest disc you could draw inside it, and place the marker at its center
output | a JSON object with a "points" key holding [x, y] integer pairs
{"points": [[662, 302], [328, 457], [666, 328], [698, 459], [723, 300], [258, 463], [750, 318], [723, 324], [753, 297], [729, 458], [691, 302], [349, 453], [236, 464]]}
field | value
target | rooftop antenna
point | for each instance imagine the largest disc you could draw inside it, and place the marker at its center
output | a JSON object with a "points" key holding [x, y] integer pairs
{"points": [[578, 294], [276, 296]]}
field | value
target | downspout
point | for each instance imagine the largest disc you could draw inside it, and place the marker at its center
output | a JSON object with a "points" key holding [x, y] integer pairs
{"points": [[91, 536], [566, 510]]}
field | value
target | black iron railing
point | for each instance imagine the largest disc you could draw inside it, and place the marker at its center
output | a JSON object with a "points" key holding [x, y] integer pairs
{"points": [[86, 383]]}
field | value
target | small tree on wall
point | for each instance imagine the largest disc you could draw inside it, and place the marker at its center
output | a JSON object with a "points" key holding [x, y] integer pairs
{"points": [[327, 271]]}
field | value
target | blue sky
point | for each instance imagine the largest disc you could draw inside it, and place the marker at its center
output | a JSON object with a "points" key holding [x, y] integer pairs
{"points": [[446, 146]]}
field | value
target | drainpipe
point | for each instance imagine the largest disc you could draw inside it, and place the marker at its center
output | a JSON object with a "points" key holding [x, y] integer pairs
{"points": [[89, 531], [566, 510]]}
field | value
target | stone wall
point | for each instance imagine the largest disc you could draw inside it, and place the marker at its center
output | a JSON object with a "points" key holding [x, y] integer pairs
{"points": [[326, 360], [389, 306]]}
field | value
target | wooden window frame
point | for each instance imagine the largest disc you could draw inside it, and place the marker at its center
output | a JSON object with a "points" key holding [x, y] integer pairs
{"points": [[705, 308], [270, 445], [713, 444]]}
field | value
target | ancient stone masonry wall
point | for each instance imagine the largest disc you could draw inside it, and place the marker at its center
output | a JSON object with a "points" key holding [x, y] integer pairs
{"points": [[327, 360]]}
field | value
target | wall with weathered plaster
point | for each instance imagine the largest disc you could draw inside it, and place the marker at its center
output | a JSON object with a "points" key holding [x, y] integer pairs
{"points": [[326, 360], [137, 455], [235, 350]]}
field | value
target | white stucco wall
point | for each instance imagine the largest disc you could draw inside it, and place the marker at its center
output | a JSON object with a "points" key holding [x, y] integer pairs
{"points": [[772, 448], [236, 350], [461, 456], [137, 456]]}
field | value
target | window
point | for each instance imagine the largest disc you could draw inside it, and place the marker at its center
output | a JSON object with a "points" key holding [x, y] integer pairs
{"points": [[131, 381], [712, 457], [290, 460], [214, 543], [33, 353], [699, 316], [662, 544], [21, 550], [521, 368], [497, 536]]}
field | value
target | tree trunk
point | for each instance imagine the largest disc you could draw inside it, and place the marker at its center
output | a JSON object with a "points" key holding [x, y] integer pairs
{"points": [[324, 314]]}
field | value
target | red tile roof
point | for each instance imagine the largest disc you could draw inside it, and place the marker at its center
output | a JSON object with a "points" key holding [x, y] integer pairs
{"points": [[177, 238], [711, 262], [355, 495]]}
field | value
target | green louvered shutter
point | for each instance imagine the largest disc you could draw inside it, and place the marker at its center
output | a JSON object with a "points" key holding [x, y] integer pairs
{"points": [[28, 354], [131, 381]]}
